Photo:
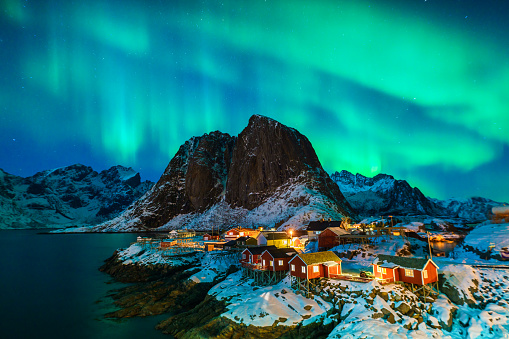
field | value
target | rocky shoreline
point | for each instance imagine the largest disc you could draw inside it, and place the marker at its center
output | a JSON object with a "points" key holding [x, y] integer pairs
{"points": [[165, 289]]}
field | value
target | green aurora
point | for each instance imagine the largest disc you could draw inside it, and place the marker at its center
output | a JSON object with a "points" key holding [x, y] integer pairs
{"points": [[416, 89]]}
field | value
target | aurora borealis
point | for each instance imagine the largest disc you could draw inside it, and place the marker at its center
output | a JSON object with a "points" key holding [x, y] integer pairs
{"points": [[415, 89]]}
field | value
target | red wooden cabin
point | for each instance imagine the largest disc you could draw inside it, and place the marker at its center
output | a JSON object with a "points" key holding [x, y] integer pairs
{"points": [[315, 265], [277, 259], [330, 237], [251, 256], [211, 236], [417, 271]]}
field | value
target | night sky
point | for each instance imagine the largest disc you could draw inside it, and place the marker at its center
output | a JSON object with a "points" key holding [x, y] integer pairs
{"points": [[416, 89]]}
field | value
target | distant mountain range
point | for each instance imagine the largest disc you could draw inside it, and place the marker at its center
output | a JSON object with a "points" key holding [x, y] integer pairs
{"points": [[384, 195], [72, 195], [268, 175]]}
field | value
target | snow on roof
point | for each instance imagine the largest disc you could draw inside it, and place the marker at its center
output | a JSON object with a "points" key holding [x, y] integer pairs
{"points": [[338, 230], [318, 257], [403, 262], [500, 210]]}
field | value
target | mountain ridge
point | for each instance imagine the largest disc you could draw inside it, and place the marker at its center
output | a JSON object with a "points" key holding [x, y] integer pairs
{"points": [[69, 195]]}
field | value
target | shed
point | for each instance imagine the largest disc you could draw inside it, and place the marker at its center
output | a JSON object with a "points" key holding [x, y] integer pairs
{"points": [[330, 237], [211, 236], [316, 227]]}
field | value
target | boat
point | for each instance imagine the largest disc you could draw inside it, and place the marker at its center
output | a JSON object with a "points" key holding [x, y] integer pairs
{"points": [[504, 253]]}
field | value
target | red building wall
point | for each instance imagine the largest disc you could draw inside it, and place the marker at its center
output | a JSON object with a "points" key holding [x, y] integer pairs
{"points": [[416, 279], [276, 267], [389, 274], [432, 273], [327, 239], [298, 267]]}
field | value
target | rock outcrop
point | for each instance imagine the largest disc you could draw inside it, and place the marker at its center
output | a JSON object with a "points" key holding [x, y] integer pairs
{"points": [[268, 175]]}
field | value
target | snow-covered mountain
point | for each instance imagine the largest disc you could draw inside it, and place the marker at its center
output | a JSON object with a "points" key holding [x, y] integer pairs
{"points": [[72, 195], [269, 175], [472, 209], [384, 195]]}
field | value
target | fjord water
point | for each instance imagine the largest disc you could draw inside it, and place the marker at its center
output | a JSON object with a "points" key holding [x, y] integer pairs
{"points": [[50, 287]]}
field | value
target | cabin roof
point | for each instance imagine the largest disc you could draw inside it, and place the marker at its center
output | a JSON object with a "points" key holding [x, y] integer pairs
{"points": [[235, 242], [338, 230], [275, 235], [260, 249], [318, 257], [385, 260], [241, 229], [281, 252], [322, 225]]}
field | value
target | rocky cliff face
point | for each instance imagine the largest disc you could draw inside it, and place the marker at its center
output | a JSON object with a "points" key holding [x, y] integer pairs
{"points": [[193, 181], [269, 154], [72, 195], [269, 175], [383, 194]]}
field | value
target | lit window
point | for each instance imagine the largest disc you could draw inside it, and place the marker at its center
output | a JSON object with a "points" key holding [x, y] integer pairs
{"points": [[293, 268], [316, 269], [231, 233], [303, 269], [425, 274], [409, 273], [284, 242], [241, 233], [271, 263], [378, 269], [384, 271], [264, 262], [280, 262]]}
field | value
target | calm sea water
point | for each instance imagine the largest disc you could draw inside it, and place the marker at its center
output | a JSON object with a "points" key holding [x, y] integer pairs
{"points": [[50, 287]]}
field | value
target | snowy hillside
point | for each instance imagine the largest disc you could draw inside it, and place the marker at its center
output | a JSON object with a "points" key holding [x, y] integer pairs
{"points": [[72, 195], [385, 195]]}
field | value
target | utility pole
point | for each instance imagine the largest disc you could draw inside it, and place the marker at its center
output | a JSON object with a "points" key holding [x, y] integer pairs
{"points": [[429, 245]]}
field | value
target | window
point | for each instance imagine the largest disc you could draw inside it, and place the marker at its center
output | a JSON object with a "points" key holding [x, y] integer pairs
{"points": [[264, 263], [271, 263], [303, 269], [425, 274], [316, 269], [241, 233], [284, 242], [409, 273], [384, 271], [293, 268], [243, 256], [378, 269], [280, 263], [230, 233]]}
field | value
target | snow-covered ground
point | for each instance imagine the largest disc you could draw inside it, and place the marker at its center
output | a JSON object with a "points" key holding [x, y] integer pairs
{"points": [[474, 301], [263, 306]]}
